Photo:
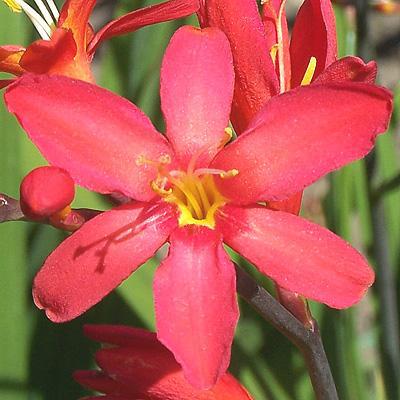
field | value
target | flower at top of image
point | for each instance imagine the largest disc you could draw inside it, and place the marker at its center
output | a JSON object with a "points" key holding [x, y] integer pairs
{"points": [[268, 61], [68, 41], [135, 365], [197, 188]]}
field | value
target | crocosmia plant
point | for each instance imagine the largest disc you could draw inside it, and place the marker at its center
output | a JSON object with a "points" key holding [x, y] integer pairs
{"points": [[254, 114], [195, 192]]}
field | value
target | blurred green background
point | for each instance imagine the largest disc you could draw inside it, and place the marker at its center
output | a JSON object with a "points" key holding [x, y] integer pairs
{"points": [[37, 357]]}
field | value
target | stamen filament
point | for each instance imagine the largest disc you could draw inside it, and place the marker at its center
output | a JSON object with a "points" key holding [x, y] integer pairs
{"points": [[192, 201], [45, 12], [281, 56], [39, 23], [53, 9], [203, 195]]}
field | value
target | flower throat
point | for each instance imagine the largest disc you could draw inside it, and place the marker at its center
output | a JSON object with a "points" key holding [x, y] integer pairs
{"points": [[193, 191]]}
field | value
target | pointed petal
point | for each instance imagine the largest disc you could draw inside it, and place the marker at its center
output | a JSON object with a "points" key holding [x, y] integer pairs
{"points": [[95, 135], [298, 255], [10, 57], [120, 335], [154, 14], [349, 69], [300, 136], [313, 35], [255, 78], [191, 287], [75, 16], [99, 256], [196, 92]]}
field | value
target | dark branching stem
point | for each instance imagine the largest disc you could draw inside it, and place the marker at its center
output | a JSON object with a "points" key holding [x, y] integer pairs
{"points": [[385, 188], [10, 210], [308, 341]]}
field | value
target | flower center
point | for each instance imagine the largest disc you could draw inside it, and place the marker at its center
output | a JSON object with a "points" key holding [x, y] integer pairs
{"points": [[193, 191], [45, 21]]}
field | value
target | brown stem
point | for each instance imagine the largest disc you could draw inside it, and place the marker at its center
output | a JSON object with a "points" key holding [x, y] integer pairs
{"points": [[307, 340]]}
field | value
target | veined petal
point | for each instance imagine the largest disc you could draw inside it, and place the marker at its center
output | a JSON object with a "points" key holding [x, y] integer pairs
{"points": [[99, 256], [140, 367], [298, 255], [95, 135], [191, 287], [196, 92], [75, 16], [255, 77], [154, 14], [300, 136], [313, 35], [349, 69], [10, 57]]}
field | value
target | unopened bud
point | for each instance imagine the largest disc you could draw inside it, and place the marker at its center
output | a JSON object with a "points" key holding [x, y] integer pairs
{"points": [[46, 191]]}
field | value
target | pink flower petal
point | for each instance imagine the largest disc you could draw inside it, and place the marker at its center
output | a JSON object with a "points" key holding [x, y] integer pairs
{"points": [[142, 368], [300, 136], [154, 14], [349, 69], [300, 256], [95, 135], [191, 287], [196, 92], [99, 256], [255, 78], [313, 35]]}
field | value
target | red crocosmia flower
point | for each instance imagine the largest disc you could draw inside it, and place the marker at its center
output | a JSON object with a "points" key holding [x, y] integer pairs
{"points": [[68, 41], [195, 193], [267, 62], [138, 366]]}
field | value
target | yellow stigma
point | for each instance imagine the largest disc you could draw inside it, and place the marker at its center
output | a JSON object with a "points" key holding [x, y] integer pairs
{"points": [[307, 78], [13, 5], [193, 191]]}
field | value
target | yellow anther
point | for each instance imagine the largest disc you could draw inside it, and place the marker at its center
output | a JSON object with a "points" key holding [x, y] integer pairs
{"points": [[229, 133], [159, 190], [274, 51], [165, 159], [229, 174], [264, 2], [13, 5], [307, 78]]}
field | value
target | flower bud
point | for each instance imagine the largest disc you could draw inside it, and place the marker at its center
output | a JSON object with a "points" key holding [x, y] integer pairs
{"points": [[46, 191]]}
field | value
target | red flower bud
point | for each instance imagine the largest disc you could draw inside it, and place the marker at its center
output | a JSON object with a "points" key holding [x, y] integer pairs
{"points": [[46, 191]]}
